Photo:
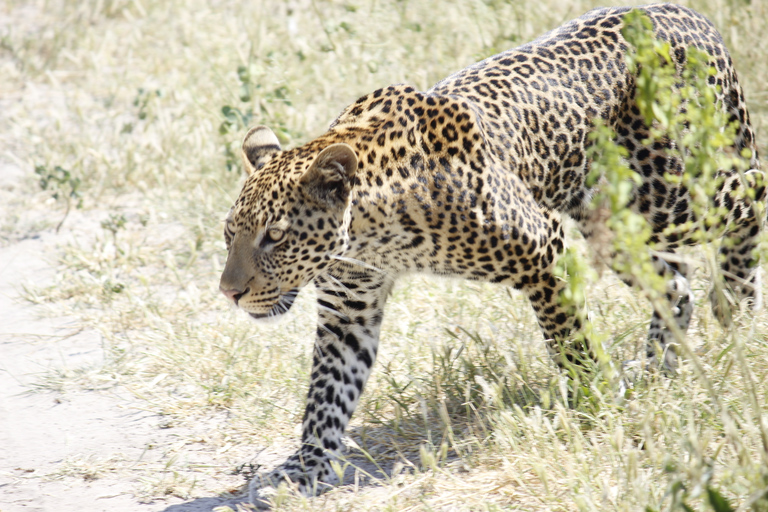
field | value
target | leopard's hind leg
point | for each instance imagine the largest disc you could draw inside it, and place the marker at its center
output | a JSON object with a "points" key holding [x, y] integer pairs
{"points": [[743, 196], [739, 282], [660, 346], [672, 314]]}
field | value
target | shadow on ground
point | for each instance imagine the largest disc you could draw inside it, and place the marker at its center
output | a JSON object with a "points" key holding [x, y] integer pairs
{"points": [[392, 452]]}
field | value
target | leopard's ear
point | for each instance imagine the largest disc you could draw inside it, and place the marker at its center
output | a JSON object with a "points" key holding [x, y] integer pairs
{"points": [[328, 180], [259, 146]]}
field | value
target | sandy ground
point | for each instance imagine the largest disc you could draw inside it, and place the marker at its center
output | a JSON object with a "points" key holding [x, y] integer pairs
{"points": [[70, 450], [49, 441]]}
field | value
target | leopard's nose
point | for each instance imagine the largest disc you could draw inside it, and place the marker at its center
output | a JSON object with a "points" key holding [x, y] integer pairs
{"points": [[233, 294]]}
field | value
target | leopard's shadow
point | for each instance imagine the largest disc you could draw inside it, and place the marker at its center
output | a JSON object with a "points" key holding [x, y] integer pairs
{"points": [[389, 452]]}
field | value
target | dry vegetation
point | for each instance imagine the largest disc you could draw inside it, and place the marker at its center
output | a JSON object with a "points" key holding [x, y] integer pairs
{"points": [[143, 101]]}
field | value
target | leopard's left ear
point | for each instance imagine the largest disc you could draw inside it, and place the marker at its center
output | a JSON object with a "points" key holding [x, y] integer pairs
{"points": [[328, 180], [259, 146]]}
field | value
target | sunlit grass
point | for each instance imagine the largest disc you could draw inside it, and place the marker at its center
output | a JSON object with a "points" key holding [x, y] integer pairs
{"points": [[465, 409]]}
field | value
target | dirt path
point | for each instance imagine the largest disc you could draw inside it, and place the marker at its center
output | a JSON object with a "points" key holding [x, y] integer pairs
{"points": [[72, 450]]}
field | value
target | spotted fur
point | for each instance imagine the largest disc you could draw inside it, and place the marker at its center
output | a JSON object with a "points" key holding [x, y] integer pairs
{"points": [[471, 179]]}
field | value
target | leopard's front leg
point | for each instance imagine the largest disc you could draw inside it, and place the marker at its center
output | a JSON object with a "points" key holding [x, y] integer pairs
{"points": [[350, 310]]}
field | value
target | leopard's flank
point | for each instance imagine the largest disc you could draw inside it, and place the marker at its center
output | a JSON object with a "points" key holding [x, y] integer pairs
{"points": [[472, 178]]}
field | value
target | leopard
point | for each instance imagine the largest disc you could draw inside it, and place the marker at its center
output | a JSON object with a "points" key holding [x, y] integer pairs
{"points": [[475, 179]]}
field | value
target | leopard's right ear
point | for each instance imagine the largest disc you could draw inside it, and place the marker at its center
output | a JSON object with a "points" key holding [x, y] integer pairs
{"points": [[259, 146]]}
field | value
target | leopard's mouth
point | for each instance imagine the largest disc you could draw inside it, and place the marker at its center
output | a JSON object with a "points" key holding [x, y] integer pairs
{"points": [[283, 304]]}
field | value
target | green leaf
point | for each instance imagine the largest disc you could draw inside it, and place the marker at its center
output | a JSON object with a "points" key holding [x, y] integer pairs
{"points": [[718, 502], [245, 93], [243, 74]]}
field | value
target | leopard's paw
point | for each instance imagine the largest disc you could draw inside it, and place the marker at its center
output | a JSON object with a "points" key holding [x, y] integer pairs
{"points": [[309, 476]]}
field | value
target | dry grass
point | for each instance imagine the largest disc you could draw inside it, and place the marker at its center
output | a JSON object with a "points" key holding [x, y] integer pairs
{"points": [[465, 409]]}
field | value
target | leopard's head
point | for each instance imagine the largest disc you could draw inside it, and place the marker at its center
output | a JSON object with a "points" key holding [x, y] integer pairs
{"points": [[289, 223]]}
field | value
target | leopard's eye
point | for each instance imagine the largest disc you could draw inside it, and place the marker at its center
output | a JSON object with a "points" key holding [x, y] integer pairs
{"points": [[275, 235]]}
